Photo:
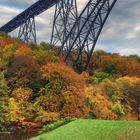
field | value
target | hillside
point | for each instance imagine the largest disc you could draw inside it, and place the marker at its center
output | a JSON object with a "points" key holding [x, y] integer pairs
{"points": [[94, 130], [37, 87]]}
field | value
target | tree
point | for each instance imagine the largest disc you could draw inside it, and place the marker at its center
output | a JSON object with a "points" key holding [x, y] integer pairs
{"points": [[100, 106], [63, 91], [23, 71], [44, 46], [22, 94], [3, 86], [43, 56], [106, 64], [3, 101]]}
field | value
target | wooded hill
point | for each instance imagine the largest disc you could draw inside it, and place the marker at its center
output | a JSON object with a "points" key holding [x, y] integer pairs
{"points": [[37, 87]]}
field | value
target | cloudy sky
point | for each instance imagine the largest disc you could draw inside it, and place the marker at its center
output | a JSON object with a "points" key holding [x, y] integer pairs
{"points": [[121, 33]]}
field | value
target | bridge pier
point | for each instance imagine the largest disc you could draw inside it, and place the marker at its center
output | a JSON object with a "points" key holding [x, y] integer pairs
{"points": [[89, 23], [27, 31], [64, 18]]}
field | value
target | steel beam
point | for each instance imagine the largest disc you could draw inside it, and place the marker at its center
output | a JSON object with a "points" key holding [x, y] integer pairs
{"points": [[27, 31], [89, 24], [37, 8]]}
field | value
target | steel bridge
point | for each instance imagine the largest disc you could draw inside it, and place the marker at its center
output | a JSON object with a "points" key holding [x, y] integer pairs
{"points": [[75, 34]]}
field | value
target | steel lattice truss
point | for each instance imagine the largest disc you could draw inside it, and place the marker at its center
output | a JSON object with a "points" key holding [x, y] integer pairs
{"points": [[64, 19], [75, 35], [27, 31], [26, 22], [89, 26]]}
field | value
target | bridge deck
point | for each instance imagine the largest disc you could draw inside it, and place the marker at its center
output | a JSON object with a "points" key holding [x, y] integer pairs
{"points": [[34, 10]]}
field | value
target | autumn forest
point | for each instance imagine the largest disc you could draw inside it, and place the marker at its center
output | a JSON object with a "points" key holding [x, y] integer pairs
{"points": [[37, 87]]}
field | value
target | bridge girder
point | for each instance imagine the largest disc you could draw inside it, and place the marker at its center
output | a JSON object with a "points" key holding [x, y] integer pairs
{"points": [[34, 10], [89, 26]]}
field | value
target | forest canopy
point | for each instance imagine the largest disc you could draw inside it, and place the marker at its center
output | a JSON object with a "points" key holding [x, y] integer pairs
{"points": [[37, 87]]}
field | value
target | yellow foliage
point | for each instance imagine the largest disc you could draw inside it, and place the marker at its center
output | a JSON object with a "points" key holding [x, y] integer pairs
{"points": [[22, 94], [15, 114], [23, 50], [45, 117], [99, 105]]}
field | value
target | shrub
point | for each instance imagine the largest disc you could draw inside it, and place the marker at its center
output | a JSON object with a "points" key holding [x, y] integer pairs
{"points": [[118, 109], [2, 128], [14, 115], [42, 56], [3, 34], [3, 86], [52, 126], [100, 106], [100, 76], [44, 117], [22, 94]]}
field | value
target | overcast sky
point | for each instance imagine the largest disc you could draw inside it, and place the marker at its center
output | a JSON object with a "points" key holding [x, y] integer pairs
{"points": [[121, 33]]}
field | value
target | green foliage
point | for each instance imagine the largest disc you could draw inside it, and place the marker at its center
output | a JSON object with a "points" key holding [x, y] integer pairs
{"points": [[3, 34], [2, 128], [43, 56], [118, 109], [123, 92], [52, 126], [1, 112], [99, 77], [44, 46], [4, 124]]}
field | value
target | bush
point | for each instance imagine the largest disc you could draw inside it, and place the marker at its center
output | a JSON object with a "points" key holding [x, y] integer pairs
{"points": [[124, 90], [52, 126], [99, 77], [22, 94], [44, 117], [43, 56], [118, 109], [3, 34], [100, 106], [2, 128]]}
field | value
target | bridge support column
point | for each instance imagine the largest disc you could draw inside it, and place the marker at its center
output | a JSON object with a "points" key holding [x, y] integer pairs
{"points": [[27, 31], [89, 24], [64, 18]]}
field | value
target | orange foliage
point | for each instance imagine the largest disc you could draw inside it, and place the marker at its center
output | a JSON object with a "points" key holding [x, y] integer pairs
{"points": [[7, 41], [71, 88], [73, 81], [23, 49], [99, 105]]}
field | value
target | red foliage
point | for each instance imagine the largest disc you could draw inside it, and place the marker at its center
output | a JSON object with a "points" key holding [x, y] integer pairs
{"points": [[22, 71]]}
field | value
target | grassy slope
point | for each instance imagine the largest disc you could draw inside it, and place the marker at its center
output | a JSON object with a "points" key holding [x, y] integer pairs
{"points": [[95, 130]]}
